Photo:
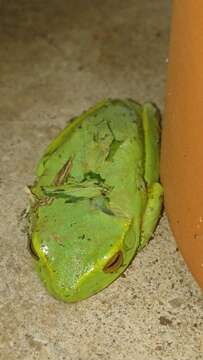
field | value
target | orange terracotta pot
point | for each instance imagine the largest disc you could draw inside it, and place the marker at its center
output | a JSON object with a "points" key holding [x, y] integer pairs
{"points": [[182, 141]]}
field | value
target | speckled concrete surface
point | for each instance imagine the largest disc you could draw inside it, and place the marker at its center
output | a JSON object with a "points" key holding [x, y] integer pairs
{"points": [[56, 59]]}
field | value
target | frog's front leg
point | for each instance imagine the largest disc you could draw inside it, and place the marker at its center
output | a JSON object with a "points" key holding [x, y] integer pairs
{"points": [[151, 127]]}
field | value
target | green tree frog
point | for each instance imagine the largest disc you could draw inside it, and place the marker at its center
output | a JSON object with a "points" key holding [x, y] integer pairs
{"points": [[96, 199]]}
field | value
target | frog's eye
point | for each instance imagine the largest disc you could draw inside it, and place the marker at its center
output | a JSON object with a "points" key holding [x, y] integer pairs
{"points": [[114, 263], [31, 249]]}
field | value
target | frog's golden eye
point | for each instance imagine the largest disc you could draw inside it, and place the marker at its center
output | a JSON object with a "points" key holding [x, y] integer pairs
{"points": [[31, 249], [114, 263]]}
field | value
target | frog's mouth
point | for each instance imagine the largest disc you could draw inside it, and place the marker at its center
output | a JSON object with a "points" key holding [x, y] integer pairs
{"points": [[31, 248]]}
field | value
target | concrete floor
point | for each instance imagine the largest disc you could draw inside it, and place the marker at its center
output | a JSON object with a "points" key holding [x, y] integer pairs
{"points": [[56, 59]]}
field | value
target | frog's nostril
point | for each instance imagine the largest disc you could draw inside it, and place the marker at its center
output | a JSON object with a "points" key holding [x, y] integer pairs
{"points": [[114, 263]]}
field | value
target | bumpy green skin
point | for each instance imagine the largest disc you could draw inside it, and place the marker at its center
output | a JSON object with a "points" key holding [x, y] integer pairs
{"points": [[97, 198]]}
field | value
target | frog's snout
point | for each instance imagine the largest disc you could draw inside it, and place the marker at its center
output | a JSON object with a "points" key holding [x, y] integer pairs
{"points": [[115, 262]]}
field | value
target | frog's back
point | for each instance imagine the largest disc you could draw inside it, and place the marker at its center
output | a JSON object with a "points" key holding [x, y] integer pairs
{"points": [[93, 175], [101, 142]]}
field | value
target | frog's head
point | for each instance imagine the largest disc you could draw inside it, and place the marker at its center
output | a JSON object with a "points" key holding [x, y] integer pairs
{"points": [[79, 263]]}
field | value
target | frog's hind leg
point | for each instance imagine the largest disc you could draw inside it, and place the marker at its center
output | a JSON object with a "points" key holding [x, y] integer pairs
{"points": [[152, 212], [151, 127]]}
